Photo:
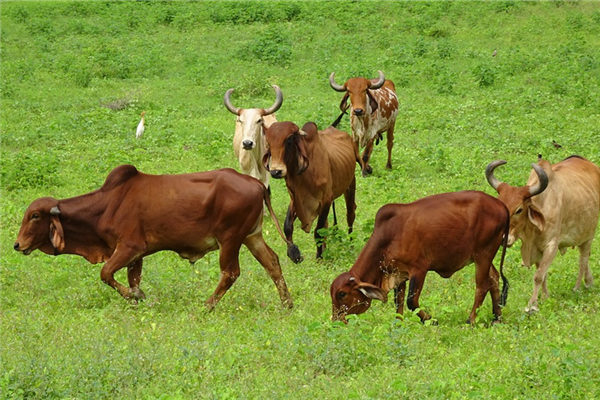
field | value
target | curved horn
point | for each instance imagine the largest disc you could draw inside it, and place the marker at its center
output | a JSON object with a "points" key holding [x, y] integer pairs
{"points": [[489, 173], [54, 211], [227, 102], [379, 83], [334, 85], [542, 181], [277, 103]]}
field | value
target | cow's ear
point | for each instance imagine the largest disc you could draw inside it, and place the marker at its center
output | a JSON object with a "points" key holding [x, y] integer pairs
{"points": [[57, 236], [344, 103], [372, 102], [302, 153], [372, 291], [265, 160], [536, 217]]}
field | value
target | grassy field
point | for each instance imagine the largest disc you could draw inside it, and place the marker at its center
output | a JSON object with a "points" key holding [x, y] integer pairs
{"points": [[74, 78]]}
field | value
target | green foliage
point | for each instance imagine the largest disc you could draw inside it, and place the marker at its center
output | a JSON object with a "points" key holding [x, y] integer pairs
{"points": [[75, 77]]}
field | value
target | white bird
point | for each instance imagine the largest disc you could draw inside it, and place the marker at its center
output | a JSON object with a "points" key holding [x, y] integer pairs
{"points": [[140, 128]]}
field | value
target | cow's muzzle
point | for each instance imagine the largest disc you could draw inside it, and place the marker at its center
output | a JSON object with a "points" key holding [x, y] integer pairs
{"points": [[358, 112], [277, 173], [18, 247], [247, 144]]}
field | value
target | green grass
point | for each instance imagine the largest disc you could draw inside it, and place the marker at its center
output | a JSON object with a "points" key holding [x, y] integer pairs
{"points": [[75, 77]]}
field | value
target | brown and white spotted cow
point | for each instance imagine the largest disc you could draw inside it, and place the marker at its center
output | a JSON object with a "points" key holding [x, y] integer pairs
{"points": [[374, 106]]}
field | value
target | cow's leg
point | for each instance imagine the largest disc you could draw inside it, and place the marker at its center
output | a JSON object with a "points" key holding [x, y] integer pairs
{"points": [[134, 276], [230, 270], [540, 276], [357, 155], [482, 285], [349, 196], [321, 223], [390, 144], [584, 267], [367, 170], [293, 251], [399, 291], [494, 283], [415, 285], [269, 260], [122, 256]]}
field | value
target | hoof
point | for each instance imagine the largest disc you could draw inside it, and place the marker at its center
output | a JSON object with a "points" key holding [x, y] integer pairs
{"points": [[388, 166], [367, 171], [293, 252], [531, 309], [136, 294]]}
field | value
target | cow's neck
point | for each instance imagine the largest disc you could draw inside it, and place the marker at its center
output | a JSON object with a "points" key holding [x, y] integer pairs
{"points": [[369, 265]]}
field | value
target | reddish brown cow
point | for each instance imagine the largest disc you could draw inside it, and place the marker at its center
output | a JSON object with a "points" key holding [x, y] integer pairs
{"points": [[441, 233], [558, 208], [134, 214], [374, 106], [318, 167]]}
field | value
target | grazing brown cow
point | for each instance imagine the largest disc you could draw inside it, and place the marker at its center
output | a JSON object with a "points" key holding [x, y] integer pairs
{"points": [[557, 208], [318, 167], [441, 233], [134, 214], [374, 106]]}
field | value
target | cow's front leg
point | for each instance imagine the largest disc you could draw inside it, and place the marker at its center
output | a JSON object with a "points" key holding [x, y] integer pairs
{"points": [[123, 255], [367, 170], [399, 298], [293, 251], [134, 276], [230, 270], [540, 275], [321, 223], [414, 291]]}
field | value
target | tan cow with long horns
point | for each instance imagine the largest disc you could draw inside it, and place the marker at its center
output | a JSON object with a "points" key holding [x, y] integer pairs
{"points": [[558, 208]]}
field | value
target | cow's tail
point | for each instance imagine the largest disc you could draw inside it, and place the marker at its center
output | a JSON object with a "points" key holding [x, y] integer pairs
{"points": [[505, 284], [293, 250]]}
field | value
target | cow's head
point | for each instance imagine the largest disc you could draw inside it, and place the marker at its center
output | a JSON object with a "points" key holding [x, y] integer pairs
{"points": [[518, 198], [351, 296], [41, 228], [287, 148], [359, 92], [251, 119]]}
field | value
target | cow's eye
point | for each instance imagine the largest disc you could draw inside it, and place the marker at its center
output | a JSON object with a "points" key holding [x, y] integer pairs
{"points": [[239, 120], [519, 211], [259, 121], [341, 295], [35, 216]]}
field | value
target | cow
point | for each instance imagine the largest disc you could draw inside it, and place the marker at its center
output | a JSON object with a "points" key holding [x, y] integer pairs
{"points": [[441, 233], [557, 208], [135, 214], [248, 140], [318, 167], [374, 106]]}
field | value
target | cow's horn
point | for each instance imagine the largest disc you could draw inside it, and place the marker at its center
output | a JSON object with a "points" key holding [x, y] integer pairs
{"points": [[227, 102], [54, 211], [379, 83], [334, 85], [489, 173], [542, 181], [278, 102]]}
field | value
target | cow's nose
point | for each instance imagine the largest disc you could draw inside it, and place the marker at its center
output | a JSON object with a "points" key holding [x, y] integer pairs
{"points": [[358, 111], [16, 246], [276, 173], [248, 144]]}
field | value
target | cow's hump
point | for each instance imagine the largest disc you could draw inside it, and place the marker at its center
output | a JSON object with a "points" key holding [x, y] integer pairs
{"points": [[119, 175]]}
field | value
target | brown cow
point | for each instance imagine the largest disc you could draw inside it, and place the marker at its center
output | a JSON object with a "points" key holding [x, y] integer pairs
{"points": [[374, 106], [318, 167], [134, 214], [441, 233], [557, 209]]}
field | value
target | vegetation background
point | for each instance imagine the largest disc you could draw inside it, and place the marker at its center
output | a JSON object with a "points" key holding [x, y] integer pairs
{"points": [[75, 77]]}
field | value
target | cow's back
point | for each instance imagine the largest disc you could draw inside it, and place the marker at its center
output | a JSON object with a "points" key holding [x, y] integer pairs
{"points": [[571, 202], [342, 159]]}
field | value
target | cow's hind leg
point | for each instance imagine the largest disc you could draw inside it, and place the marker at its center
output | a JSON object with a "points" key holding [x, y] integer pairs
{"points": [[350, 197], [584, 266], [414, 291], [486, 280], [123, 255], [269, 260], [390, 144], [230, 270], [134, 276]]}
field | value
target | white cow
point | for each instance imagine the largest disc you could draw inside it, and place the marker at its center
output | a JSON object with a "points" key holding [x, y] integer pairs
{"points": [[557, 209], [248, 140]]}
